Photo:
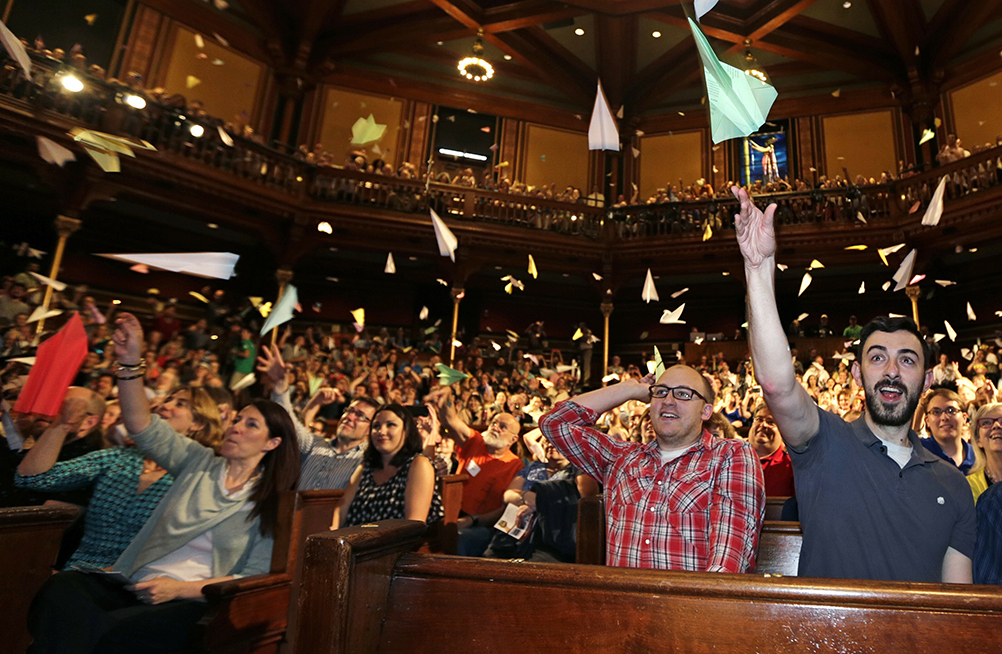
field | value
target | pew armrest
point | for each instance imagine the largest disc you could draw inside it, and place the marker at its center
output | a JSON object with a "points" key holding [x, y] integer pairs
{"points": [[249, 614]]}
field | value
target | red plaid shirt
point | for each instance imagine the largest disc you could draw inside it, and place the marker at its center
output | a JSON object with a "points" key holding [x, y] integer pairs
{"points": [[701, 512]]}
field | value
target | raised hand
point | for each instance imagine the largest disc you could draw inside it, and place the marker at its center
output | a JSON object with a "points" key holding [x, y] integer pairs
{"points": [[756, 234], [270, 363], [128, 339]]}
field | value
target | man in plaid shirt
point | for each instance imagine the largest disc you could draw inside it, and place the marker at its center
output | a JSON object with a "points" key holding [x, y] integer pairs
{"points": [[686, 501]]}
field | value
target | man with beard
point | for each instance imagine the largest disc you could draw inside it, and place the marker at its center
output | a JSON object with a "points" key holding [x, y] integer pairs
{"points": [[488, 460], [684, 501], [874, 503], [324, 464]]}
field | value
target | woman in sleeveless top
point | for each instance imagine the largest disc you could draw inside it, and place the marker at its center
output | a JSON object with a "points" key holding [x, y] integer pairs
{"points": [[395, 480]]}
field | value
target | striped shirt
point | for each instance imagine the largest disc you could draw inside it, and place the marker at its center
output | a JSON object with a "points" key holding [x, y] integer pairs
{"points": [[701, 511], [321, 465]]}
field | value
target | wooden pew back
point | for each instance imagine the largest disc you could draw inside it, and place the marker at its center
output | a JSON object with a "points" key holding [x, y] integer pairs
{"points": [[365, 592], [29, 542], [443, 535], [778, 544]]}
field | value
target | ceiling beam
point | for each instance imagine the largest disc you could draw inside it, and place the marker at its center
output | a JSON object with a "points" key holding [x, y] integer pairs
{"points": [[774, 15], [555, 65], [902, 24], [957, 33], [464, 11], [526, 14], [615, 62], [396, 36], [652, 75]]}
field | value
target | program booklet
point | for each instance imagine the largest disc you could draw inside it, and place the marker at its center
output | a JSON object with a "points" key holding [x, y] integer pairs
{"points": [[510, 523]]}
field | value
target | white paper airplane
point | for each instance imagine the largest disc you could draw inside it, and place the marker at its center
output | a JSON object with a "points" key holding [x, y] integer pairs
{"points": [[447, 242], [945, 282], [950, 331], [650, 292], [886, 285], [224, 136], [673, 317], [702, 7], [815, 264], [859, 217], [801, 317], [55, 284], [904, 272], [532, 267], [281, 313], [782, 267], [935, 209], [423, 315], [936, 338], [246, 382], [15, 49], [883, 252], [391, 267], [602, 131], [739, 103], [966, 353], [678, 293], [40, 313], [804, 283], [659, 364], [53, 153], [104, 148], [970, 312], [862, 288], [215, 265], [597, 277]]}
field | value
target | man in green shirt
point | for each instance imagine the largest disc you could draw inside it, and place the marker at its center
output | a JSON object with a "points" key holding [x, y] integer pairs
{"points": [[243, 357], [853, 330]]}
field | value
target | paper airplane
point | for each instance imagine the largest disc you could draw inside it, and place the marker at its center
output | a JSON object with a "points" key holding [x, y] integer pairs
{"points": [[56, 285], [636, 152], [602, 132], [970, 312], [904, 272], [707, 232], [643, 336], [619, 113], [673, 317], [282, 311], [359, 316], [442, 281], [802, 316], [198, 296], [916, 279], [739, 103], [140, 268], [199, 41], [815, 264], [935, 209], [494, 344], [915, 207], [532, 267], [56, 364], [936, 338], [927, 135], [215, 265], [105, 148], [225, 137], [365, 131], [679, 293], [41, 313], [856, 247], [609, 378], [423, 315], [966, 353], [391, 267], [883, 252], [859, 217], [597, 277], [650, 292], [885, 285], [804, 283], [512, 283], [264, 309], [448, 376], [659, 363], [950, 331], [577, 334], [782, 267], [15, 49], [191, 81], [702, 7], [446, 239], [53, 153], [862, 288], [836, 93], [945, 282], [245, 382]]}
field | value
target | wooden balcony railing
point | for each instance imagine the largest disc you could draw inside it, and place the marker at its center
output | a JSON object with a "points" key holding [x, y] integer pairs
{"points": [[101, 105]]}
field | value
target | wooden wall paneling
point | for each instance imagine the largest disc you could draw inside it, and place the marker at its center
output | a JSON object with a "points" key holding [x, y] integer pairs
{"points": [[162, 51], [508, 150], [721, 157], [420, 133], [142, 41], [803, 130], [311, 102], [124, 31]]}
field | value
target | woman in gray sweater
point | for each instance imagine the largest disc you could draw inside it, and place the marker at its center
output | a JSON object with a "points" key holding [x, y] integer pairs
{"points": [[217, 522]]}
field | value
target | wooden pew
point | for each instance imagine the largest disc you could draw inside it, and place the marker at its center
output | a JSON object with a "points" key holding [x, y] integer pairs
{"points": [[774, 507], [443, 535], [29, 542], [254, 614], [778, 544], [365, 592]]}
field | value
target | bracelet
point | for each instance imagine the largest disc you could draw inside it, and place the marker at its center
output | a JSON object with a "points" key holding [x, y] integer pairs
{"points": [[132, 366], [130, 377]]}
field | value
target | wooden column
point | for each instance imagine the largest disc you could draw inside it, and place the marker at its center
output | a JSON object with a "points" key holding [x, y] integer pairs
{"points": [[606, 312], [914, 292], [457, 293], [64, 226], [284, 276]]}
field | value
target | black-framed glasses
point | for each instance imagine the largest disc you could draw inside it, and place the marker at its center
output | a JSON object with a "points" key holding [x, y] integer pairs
{"points": [[988, 423], [937, 412], [682, 393], [361, 417]]}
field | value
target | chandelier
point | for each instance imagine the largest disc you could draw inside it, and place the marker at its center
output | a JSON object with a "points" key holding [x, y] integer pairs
{"points": [[476, 68]]}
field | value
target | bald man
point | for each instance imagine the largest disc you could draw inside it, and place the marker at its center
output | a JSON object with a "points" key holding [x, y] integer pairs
{"points": [[685, 501]]}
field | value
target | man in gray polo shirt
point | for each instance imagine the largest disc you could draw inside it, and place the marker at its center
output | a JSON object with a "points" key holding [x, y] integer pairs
{"points": [[874, 503]]}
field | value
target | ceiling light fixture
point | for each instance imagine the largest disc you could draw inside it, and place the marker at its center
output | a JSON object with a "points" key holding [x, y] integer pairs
{"points": [[507, 57], [475, 68], [135, 101]]}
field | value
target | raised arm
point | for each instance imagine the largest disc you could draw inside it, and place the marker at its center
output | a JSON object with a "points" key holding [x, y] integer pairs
{"points": [[45, 453], [791, 406], [128, 339], [271, 365], [601, 400], [450, 417]]}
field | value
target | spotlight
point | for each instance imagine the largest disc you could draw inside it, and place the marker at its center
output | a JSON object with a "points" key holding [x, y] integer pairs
{"points": [[72, 84], [579, 32], [656, 34], [135, 101], [196, 131], [325, 227]]}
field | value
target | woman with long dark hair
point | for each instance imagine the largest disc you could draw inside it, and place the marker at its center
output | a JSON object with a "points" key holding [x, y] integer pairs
{"points": [[395, 479], [217, 522]]}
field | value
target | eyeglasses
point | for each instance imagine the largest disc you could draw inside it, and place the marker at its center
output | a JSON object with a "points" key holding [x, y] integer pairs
{"points": [[361, 417], [682, 393], [950, 411], [987, 423]]}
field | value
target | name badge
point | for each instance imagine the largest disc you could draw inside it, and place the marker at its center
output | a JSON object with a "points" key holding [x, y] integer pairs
{"points": [[472, 468]]}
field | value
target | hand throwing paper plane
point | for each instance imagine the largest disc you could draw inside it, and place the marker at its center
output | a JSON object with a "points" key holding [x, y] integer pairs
{"points": [[447, 241], [282, 312], [365, 130], [739, 103], [650, 292], [673, 317], [935, 210], [215, 265], [602, 131]]}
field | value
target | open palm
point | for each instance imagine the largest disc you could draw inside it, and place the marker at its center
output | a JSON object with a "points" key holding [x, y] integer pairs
{"points": [[756, 234]]}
